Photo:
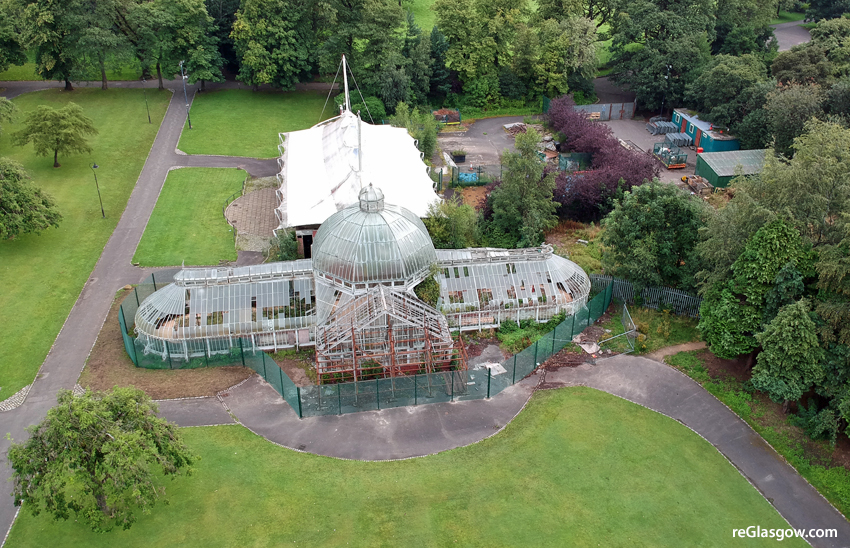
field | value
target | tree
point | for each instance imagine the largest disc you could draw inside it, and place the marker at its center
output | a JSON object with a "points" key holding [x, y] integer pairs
{"points": [[98, 455], [420, 125], [452, 224], [53, 31], [644, 69], [7, 111], [273, 42], [788, 109], [650, 237], [56, 130], [833, 306], [439, 84], [732, 312], [522, 205], [566, 47], [24, 208], [827, 9], [12, 52], [803, 64], [719, 90], [789, 363]]}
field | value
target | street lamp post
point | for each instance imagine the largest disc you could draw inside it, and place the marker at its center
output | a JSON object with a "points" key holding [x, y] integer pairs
{"points": [[145, 90], [93, 168], [666, 85], [185, 96]]}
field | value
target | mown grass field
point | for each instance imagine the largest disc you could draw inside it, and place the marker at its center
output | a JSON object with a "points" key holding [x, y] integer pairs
{"points": [[237, 122], [424, 16], [787, 17], [41, 276], [187, 225], [27, 72], [577, 467]]}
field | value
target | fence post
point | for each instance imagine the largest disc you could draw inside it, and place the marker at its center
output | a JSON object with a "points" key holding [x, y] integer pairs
{"points": [[338, 400], [242, 355], [137, 297], [489, 376], [453, 384], [535, 355], [513, 379], [280, 376], [415, 395], [265, 374], [377, 393], [298, 391], [573, 327], [153, 279], [554, 333]]}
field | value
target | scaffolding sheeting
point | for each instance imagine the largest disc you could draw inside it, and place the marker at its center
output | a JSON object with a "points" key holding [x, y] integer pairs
{"points": [[318, 169]]}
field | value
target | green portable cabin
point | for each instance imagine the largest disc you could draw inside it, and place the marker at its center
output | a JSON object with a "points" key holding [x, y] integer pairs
{"points": [[705, 136], [721, 167]]}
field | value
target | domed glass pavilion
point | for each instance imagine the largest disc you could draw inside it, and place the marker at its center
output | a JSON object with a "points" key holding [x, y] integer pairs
{"points": [[354, 299]]}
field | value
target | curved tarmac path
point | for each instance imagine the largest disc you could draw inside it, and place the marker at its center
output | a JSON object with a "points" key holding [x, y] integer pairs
{"points": [[392, 433]]}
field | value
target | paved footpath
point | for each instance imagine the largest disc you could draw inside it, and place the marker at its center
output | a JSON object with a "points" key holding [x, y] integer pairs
{"points": [[68, 355]]}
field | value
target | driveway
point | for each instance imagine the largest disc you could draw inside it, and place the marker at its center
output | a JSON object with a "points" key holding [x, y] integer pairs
{"points": [[484, 141], [791, 34]]}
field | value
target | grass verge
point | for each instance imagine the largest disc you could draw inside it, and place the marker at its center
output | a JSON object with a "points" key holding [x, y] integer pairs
{"points": [[237, 122], [787, 17], [42, 275], [627, 477], [187, 226], [810, 458], [656, 329]]}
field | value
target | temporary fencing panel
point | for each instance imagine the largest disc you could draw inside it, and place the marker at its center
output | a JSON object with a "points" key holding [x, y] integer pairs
{"points": [[680, 302]]}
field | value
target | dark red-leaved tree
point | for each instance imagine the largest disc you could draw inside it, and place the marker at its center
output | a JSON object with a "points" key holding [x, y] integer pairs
{"points": [[588, 195]]}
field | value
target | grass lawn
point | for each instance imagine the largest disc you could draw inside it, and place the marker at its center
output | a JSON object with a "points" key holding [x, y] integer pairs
{"points": [[237, 122], [42, 275], [187, 224], [27, 72], [422, 13], [626, 477], [787, 17]]}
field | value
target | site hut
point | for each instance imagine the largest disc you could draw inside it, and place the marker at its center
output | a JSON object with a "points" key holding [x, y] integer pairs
{"points": [[703, 134], [719, 168]]}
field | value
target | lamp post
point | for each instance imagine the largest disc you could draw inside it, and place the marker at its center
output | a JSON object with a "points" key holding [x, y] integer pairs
{"points": [[186, 97], [93, 168], [666, 85], [145, 91]]}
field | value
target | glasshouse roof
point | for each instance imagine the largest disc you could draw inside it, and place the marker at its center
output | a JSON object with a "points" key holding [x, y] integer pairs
{"points": [[373, 242], [320, 165], [726, 164]]}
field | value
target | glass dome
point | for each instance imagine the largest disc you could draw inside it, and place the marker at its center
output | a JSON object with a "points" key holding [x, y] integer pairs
{"points": [[373, 242]]}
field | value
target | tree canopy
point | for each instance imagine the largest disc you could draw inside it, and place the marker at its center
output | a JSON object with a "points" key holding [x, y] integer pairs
{"points": [[99, 456], [651, 234], [24, 208], [53, 130]]}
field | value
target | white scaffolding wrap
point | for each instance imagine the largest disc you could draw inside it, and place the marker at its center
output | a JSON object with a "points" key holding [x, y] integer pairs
{"points": [[319, 166]]}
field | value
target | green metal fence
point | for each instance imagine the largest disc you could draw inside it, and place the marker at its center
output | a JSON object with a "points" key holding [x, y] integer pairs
{"points": [[335, 399]]}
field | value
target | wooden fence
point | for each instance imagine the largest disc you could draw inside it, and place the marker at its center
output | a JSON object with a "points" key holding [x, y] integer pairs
{"points": [[681, 302]]}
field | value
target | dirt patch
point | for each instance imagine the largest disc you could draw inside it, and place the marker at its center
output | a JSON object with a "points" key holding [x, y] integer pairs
{"points": [[720, 368], [476, 344], [109, 366], [299, 366], [474, 195], [566, 358]]}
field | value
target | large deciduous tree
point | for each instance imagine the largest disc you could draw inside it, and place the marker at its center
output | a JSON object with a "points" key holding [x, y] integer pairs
{"points": [[452, 224], [24, 208], [522, 205], [719, 90], [99, 456], [51, 130], [651, 235], [273, 42], [12, 51], [53, 30]]}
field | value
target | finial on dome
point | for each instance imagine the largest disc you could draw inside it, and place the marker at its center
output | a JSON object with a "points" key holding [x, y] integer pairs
{"points": [[371, 199]]}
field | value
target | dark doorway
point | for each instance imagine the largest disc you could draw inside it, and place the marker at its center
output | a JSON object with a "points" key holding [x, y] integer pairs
{"points": [[308, 245]]}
